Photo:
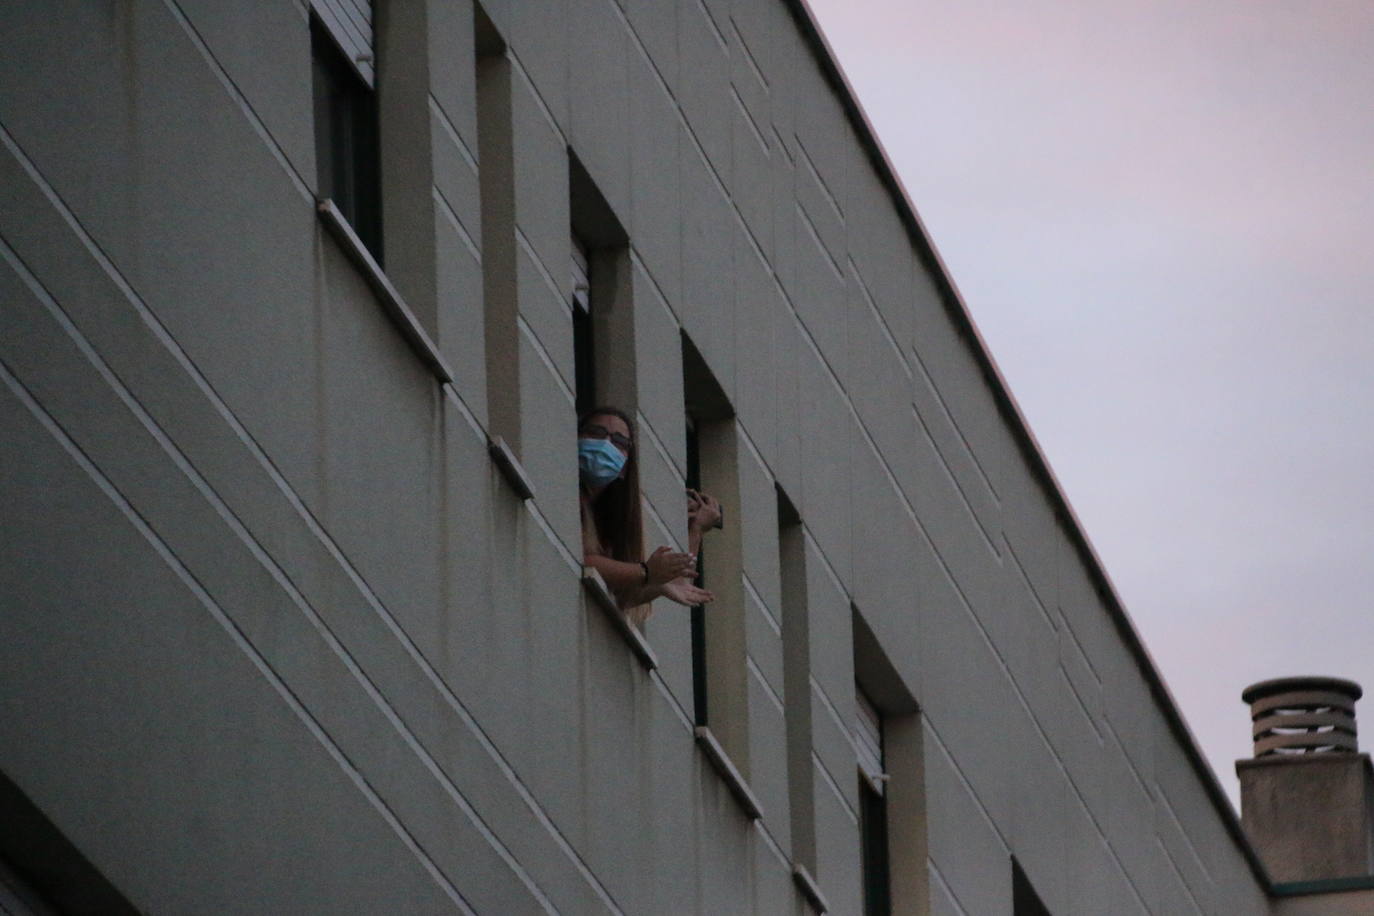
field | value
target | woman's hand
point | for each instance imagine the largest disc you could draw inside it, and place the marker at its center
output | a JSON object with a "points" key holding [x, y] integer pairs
{"points": [[685, 593], [664, 566], [703, 511]]}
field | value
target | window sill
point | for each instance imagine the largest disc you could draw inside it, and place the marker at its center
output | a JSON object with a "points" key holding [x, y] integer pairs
{"points": [[706, 740], [809, 888], [395, 306], [601, 595], [877, 783], [510, 467]]}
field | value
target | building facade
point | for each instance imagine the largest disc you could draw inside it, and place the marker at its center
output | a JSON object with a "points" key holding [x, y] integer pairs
{"points": [[300, 301]]}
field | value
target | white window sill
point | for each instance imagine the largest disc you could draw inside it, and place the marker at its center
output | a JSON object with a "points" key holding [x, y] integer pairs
{"points": [[395, 306], [510, 468], [809, 888], [706, 740], [601, 595]]}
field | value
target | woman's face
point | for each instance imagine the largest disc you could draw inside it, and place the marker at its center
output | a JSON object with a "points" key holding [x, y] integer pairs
{"points": [[609, 426]]}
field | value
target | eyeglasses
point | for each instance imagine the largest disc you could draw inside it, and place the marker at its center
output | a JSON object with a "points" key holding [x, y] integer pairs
{"points": [[597, 431]]}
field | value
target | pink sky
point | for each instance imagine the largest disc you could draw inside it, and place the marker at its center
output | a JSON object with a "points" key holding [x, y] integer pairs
{"points": [[1159, 214]]}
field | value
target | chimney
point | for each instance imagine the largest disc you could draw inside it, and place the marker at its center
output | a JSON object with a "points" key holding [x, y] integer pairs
{"points": [[1307, 796]]}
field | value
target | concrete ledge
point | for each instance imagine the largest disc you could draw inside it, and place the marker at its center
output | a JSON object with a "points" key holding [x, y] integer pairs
{"points": [[809, 888], [601, 595], [510, 467], [395, 306], [706, 740]]}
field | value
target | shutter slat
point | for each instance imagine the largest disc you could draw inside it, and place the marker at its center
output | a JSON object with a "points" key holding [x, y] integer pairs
{"points": [[353, 34], [868, 738]]}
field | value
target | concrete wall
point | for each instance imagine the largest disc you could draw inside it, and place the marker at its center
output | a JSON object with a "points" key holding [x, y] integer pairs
{"points": [[278, 637]]}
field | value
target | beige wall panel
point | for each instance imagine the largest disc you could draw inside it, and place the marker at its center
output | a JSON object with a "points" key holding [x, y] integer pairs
{"points": [[659, 371], [768, 761], [263, 50], [789, 347], [752, 151], [831, 626], [253, 763], [377, 443], [760, 315], [538, 36], [774, 891], [725, 841], [665, 489], [966, 694], [599, 98], [710, 240], [964, 848], [672, 829], [452, 66], [879, 382], [832, 746], [885, 542], [655, 202], [763, 632], [653, 24], [757, 516], [1037, 832], [826, 428], [818, 294], [703, 86], [462, 321], [1095, 879], [545, 309], [541, 182], [548, 433], [882, 250], [837, 848]]}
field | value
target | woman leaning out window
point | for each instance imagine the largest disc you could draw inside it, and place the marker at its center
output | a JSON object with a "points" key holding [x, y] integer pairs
{"points": [[611, 526]]}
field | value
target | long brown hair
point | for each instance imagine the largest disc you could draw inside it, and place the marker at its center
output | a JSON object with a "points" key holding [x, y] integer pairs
{"points": [[615, 512]]}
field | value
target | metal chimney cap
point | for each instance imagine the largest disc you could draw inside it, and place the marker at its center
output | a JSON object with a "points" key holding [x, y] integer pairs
{"points": [[1303, 715], [1310, 682]]}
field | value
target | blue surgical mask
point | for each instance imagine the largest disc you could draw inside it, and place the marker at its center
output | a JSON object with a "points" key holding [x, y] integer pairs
{"points": [[599, 462]]}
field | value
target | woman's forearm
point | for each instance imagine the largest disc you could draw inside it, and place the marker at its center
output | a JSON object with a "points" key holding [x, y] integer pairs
{"points": [[620, 577]]}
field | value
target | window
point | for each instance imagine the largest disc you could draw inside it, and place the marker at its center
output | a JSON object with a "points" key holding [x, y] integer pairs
{"points": [[1025, 901], [889, 747], [868, 743], [720, 686], [41, 871], [584, 349], [699, 692], [346, 139]]}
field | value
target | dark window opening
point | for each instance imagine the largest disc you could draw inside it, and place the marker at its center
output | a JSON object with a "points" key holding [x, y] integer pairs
{"points": [[41, 871], [584, 338], [347, 161], [1025, 901], [868, 743], [699, 696], [873, 832]]}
